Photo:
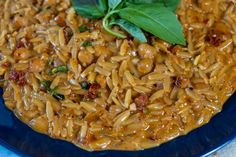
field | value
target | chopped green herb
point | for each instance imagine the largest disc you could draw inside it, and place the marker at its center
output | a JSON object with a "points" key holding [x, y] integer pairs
{"points": [[58, 96], [85, 85], [46, 85], [83, 28], [58, 69], [86, 44]]}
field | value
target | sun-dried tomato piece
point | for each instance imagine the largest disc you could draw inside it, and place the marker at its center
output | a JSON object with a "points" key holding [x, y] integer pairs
{"points": [[93, 91], [23, 43], [175, 49], [20, 44], [214, 38], [141, 102], [94, 87], [18, 77], [91, 95], [6, 65], [60, 19]]}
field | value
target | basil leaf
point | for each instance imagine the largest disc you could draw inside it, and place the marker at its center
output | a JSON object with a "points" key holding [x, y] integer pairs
{"points": [[155, 19], [89, 8], [113, 3], [131, 29], [102, 5], [171, 4], [143, 1]]}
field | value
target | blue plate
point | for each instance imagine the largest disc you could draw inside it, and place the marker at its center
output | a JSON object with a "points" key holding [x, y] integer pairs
{"points": [[20, 139]]}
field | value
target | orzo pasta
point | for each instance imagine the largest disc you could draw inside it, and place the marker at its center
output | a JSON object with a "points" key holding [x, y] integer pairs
{"points": [[100, 92]]}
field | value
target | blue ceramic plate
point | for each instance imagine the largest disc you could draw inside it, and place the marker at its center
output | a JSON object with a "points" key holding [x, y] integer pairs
{"points": [[20, 139]]}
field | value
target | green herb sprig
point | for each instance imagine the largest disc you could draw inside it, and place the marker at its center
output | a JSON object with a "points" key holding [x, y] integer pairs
{"points": [[46, 85], [86, 44], [135, 16]]}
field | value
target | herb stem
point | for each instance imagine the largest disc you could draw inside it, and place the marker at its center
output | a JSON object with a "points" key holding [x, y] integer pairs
{"points": [[106, 26]]}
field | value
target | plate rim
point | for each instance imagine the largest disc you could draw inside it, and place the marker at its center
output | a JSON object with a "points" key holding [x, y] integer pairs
{"points": [[206, 152]]}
